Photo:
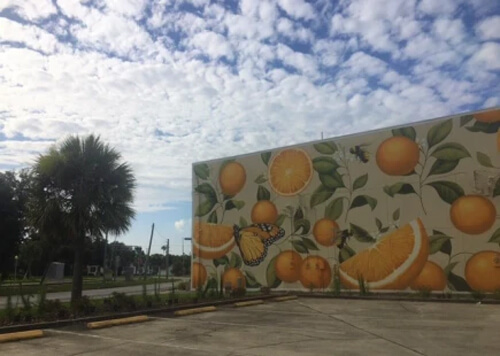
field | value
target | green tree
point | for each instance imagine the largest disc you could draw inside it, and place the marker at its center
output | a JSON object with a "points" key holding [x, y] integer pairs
{"points": [[11, 226], [81, 191]]}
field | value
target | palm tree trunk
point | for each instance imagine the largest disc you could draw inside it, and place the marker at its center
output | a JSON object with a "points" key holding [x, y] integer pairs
{"points": [[77, 285]]}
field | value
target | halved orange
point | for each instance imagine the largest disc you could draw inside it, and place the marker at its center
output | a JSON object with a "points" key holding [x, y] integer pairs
{"points": [[392, 262], [211, 240], [290, 171], [488, 116]]}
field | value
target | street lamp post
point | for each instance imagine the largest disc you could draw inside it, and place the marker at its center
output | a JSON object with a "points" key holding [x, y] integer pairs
{"points": [[16, 258], [183, 263]]}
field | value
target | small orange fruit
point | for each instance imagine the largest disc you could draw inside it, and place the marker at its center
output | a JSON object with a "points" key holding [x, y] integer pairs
{"points": [[315, 272], [198, 275], [392, 262], [211, 240], [488, 116], [397, 156], [232, 178], [234, 278], [431, 277], [482, 271], [325, 231], [264, 211], [473, 214], [287, 265], [290, 171]]}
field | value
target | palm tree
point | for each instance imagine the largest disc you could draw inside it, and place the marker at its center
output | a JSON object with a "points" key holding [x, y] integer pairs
{"points": [[81, 190]]}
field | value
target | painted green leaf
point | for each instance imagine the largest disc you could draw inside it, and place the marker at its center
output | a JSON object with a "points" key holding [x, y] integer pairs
{"points": [[299, 214], [300, 246], [320, 195], [408, 131], [212, 218], [201, 170], [325, 164], [235, 261], [446, 247], [384, 229], [204, 207], [251, 280], [265, 157], [260, 179], [234, 204], [448, 269], [243, 222], [399, 188], [496, 190], [206, 189], [484, 160], [447, 191], [457, 283], [263, 193], [395, 214], [465, 119], [484, 127], [326, 148], [302, 224], [441, 166], [362, 200], [360, 182], [495, 237], [334, 209], [280, 220], [332, 180], [378, 223], [361, 234], [310, 245], [439, 132], [272, 280], [450, 151], [345, 253], [223, 261], [437, 242]]}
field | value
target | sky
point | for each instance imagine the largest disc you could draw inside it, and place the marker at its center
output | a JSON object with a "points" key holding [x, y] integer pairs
{"points": [[172, 82]]}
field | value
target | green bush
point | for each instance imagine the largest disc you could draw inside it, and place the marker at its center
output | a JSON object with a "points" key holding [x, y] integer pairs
{"points": [[84, 307], [119, 302]]}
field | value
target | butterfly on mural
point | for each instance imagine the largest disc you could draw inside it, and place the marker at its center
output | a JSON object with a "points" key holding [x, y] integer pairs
{"points": [[254, 240], [360, 153]]}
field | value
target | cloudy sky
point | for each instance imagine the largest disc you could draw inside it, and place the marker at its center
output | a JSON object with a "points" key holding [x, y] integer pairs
{"points": [[171, 82]]}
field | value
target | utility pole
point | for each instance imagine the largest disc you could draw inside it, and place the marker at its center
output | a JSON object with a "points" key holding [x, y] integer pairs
{"points": [[149, 251], [166, 258]]}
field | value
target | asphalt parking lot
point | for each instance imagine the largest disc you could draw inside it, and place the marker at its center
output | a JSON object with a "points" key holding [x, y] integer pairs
{"points": [[304, 326]]}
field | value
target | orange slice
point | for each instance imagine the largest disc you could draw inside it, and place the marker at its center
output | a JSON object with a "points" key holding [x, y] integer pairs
{"points": [[290, 171], [211, 240], [392, 262]]}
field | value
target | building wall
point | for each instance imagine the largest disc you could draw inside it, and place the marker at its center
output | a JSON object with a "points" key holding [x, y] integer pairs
{"points": [[413, 207]]}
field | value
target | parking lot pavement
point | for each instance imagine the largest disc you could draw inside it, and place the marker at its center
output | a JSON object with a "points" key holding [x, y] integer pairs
{"points": [[305, 326]]}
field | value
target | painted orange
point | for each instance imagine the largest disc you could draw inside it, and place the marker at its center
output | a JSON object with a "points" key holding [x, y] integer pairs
{"points": [[392, 262], [287, 265], [431, 277], [482, 271], [231, 277], [211, 240], [473, 214], [198, 274], [325, 232], [232, 178], [397, 156], [488, 116], [315, 272], [290, 171], [264, 211]]}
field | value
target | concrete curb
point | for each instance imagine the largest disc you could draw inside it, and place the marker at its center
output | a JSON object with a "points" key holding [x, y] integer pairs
{"points": [[116, 322], [249, 303], [284, 299], [186, 312], [22, 335]]}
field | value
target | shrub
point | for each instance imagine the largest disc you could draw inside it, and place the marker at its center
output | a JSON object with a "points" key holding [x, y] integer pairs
{"points": [[119, 302], [84, 306]]}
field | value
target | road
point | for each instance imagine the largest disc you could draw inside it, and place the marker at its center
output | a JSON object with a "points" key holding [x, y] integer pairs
{"points": [[92, 293]]}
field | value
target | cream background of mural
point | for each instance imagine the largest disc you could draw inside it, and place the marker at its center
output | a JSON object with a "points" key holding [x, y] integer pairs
{"points": [[409, 205]]}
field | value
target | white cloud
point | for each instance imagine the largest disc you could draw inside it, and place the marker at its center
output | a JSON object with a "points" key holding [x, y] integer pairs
{"points": [[32, 10], [488, 56], [182, 225], [298, 9], [212, 44], [489, 28], [432, 7]]}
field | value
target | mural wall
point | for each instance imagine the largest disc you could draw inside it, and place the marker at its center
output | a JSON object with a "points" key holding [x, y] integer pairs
{"points": [[409, 208]]}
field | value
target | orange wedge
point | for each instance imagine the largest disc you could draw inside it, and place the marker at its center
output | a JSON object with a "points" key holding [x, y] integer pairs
{"points": [[211, 240], [392, 262]]}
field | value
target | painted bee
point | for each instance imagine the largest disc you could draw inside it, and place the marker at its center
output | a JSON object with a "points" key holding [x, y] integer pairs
{"points": [[360, 153], [344, 235]]}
